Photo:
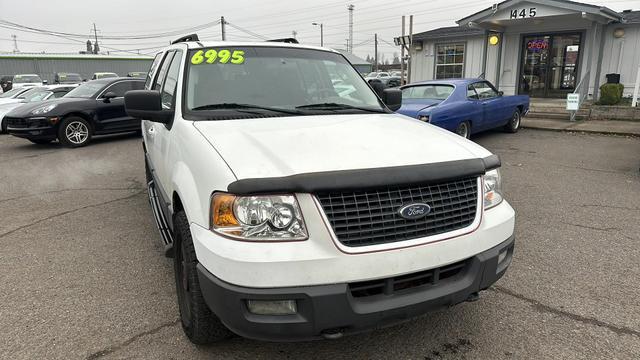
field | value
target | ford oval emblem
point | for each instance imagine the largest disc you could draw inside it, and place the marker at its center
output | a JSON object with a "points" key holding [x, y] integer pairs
{"points": [[414, 211]]}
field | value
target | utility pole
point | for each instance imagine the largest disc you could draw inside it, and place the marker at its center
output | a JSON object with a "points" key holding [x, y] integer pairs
{"points": [[321, 32], [402, 56], [375, 51], [96, 48], [294, 33], [410, 48], [347, 40], [350, 48], [222, 25], [15, 44]]}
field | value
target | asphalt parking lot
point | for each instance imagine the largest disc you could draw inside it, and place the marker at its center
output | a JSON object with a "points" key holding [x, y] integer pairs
{"points": [[82, 275]]}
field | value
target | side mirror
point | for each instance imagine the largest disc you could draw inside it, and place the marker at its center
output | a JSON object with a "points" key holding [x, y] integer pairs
{"points": [[378, 87], [500, 93], [106, 97], [146, 105], [392, 98]]}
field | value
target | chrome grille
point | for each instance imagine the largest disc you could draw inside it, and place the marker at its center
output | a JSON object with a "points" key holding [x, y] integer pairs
{"points": [[362, 218]]}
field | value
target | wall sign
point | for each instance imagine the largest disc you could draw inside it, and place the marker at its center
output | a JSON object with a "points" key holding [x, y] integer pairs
{"points": [[523, 13], [537, 45]]}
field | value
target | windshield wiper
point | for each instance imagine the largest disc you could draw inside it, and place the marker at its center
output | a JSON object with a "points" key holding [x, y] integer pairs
{"points": [[236, 106], [338, 106]]}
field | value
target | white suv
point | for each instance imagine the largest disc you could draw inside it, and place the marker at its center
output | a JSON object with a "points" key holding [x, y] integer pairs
{"points": [[294, 211]]}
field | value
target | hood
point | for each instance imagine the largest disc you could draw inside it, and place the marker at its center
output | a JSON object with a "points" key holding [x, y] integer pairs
{"points": [[26, 108], [275, 147], [412, 109], [6, 108]]}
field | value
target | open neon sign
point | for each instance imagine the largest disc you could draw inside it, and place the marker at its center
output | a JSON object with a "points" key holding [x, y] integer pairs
{"points": [[537, 45]]}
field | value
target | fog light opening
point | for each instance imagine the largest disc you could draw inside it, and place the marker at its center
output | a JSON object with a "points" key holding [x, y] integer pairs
{"points": [[272, 307], [502, 255]]}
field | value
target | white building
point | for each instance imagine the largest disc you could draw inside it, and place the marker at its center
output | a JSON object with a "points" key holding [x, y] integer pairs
{"points": [[543, 48]]}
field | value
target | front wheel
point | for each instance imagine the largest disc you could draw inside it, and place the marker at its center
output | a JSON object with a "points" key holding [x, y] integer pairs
{"points": [[3, 126], [74, 132], [514, 123], [464, 129], [198, 322]]}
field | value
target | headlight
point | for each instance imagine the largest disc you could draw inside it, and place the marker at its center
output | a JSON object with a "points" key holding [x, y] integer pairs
{"points": [[492, 189], [44, 109], [257, 218]]}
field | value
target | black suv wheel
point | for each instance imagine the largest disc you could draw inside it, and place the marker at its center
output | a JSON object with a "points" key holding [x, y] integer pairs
{"points": [[74, 132]]}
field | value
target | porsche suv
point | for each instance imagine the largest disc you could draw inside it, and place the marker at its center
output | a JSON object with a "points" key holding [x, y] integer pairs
{"points": [[93, 108]]}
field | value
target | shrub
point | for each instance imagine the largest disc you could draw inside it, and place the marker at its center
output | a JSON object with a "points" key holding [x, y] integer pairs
{"points": [[611, 94]]}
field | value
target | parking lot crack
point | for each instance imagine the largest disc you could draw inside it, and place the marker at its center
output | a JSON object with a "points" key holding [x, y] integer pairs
{"points": [[69, 212], [66, 190], [538, 306], [113, 348], [609, 207]]}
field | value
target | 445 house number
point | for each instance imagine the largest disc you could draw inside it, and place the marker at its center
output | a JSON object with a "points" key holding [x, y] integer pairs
{"points": [[523, 13]]}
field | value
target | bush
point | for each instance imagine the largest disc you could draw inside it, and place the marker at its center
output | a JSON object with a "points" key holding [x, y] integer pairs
{"points": [[611, 94]]}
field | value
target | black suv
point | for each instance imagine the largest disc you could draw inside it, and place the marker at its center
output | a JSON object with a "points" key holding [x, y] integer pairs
{"points": [[93, 108]]}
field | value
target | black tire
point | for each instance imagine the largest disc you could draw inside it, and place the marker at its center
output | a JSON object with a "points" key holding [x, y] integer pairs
{"points": [[3, 127], [464, 129], [74, 132], [514, 123], [198, 322], [41, 141]]}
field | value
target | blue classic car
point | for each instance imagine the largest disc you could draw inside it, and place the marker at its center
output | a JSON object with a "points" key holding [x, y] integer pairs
{"points": [[464, 106]]}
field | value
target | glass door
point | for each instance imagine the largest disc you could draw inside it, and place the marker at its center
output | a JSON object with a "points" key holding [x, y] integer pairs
{"points": [[549, 65], [563, 72], [533, 79]]}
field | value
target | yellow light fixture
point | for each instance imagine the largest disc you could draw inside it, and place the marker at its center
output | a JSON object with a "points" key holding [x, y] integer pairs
{"points": [[618, 33], [494, 39]]}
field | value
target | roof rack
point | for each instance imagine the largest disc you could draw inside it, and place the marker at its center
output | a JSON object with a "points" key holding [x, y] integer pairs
{"points": [[285, 40], [190, 37]]}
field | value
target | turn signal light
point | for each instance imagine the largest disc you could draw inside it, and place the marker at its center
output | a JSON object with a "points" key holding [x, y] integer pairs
{"points": [[222, 214]]}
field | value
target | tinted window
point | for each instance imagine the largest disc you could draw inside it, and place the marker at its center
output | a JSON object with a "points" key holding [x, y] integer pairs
{"points": [[163, 71], [171, 82], [152, 69], [484, 90], [118, 88]]}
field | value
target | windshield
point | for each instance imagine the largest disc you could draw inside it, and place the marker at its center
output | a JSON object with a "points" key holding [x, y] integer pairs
{"points": [[431, 92], [11, 93], [106, 75], [276, 78], [86, 90], [69, 78], [20, 79], [32, 90], [38, 95]]}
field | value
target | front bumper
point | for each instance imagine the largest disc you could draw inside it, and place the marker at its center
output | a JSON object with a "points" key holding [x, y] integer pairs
{"points": [[31, 128], [331, 310]]}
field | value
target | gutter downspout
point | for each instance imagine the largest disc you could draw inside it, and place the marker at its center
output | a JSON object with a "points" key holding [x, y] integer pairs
{"points": [[596, 85], [499, 62], [484, 54]]}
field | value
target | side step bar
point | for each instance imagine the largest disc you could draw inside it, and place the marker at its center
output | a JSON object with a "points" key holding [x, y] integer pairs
{"points": [[158, 215]]}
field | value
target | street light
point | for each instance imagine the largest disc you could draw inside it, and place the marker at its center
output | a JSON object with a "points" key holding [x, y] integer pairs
{"points": [[321, 32]]}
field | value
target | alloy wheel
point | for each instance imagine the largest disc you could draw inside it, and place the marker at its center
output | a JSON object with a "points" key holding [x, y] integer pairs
{"points": [[77, 132]]}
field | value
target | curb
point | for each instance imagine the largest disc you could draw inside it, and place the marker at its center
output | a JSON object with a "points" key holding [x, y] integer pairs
{"points": [[586, 131]]}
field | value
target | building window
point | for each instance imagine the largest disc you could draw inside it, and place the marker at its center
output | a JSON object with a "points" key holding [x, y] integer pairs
{"points": [[449, 61]]}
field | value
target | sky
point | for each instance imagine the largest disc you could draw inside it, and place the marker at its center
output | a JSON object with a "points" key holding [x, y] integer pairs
{"points": [[248, 20]]}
